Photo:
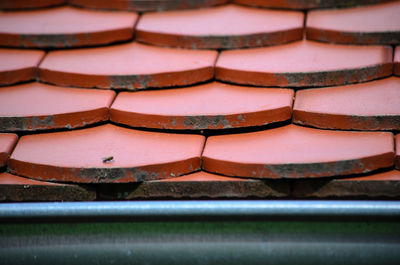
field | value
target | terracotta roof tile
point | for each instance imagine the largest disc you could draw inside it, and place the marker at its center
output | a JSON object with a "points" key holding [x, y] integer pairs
{"points": [[298, 152], [308, 4], [376, 185], [18, 65], [127, 66], [7, 143], [146, 5], [291, 64], [106, 154], [396, 66], [209, 106], [26, 4], [397, 151], [35, 106], [64, 27], [378, 24], [368, 106], [233, 27], [15, 188]]}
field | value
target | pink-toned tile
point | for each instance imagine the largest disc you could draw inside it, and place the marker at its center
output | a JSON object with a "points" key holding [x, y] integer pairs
{"points": [[28, 4], [146, 5], [64, 27], [209, 106], [106, 154], [222, 27], [36, 106], [298, 152], [127, 66], [305, 64], [7, 143], [396, 61], [18, 65], [368, 106], [377, 24], [308, 4], [16, 188]]}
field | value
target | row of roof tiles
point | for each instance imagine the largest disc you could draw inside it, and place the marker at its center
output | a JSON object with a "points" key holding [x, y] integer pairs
{"points": [[367, 106], [233, 27], [112, 154], [138, 66]]}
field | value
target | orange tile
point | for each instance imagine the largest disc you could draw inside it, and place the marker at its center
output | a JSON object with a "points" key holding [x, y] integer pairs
{"points": [[305, 64], [127, 66], [147, 5], [36, 106], [18, 65], [15, 188], [64, 27], [368, 106], [7, 143], [27, 4], [308, 4], [298, 152], [210, 106], [106, 154], [396, 61], [222, 27], [377, 24], [397, 151]]}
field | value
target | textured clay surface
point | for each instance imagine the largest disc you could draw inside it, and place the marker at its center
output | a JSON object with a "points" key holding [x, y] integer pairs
{"points": [[146, 5], [368, 106], [305, 64], [396, 61], [64, 27], [298, 152], [398, 151], [15, 188], [385, 184], [18, 65], [223, 27], [127, 66], [36, 106], [377, 24], [209, 106], [206, 185], [308, 4], [7, 143], [28, 4], [106, 154]]}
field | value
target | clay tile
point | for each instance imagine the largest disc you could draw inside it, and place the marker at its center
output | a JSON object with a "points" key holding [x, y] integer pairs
{"points": [[202, 184], [304, 64], [28, 4], [35, 106], [398, 151], [15, 188], [209, 106], [106, 154], [376, 185], [7, 143], [396, 65], [18, 65], [127, 66], [368, 106], [298, 152], [308, 4], [146, 5], [378, 24], [64, 27], [226, 27]]}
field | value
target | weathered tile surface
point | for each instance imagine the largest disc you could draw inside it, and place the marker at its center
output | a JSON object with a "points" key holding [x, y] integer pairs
{"points": [[308, 4], [28, 4], [7, 143]]}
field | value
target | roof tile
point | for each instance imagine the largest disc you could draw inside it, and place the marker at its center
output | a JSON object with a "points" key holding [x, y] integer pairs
{"points": [[18, 65], [378, 24], [15, 188], [396, 60], [209, 106], [7, 143], [298, 152], [397, 151], [35, 106], [367, 106], [26, 4], [127, 66], [307, 4], [226, 27], [106, 154], [304, 64], [64, 27], [146, 5]]}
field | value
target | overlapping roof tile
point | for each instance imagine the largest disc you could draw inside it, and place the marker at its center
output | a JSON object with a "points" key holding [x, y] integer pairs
{"points": [[7, 143], [29, 4], [308, 4], [396, 61]]}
